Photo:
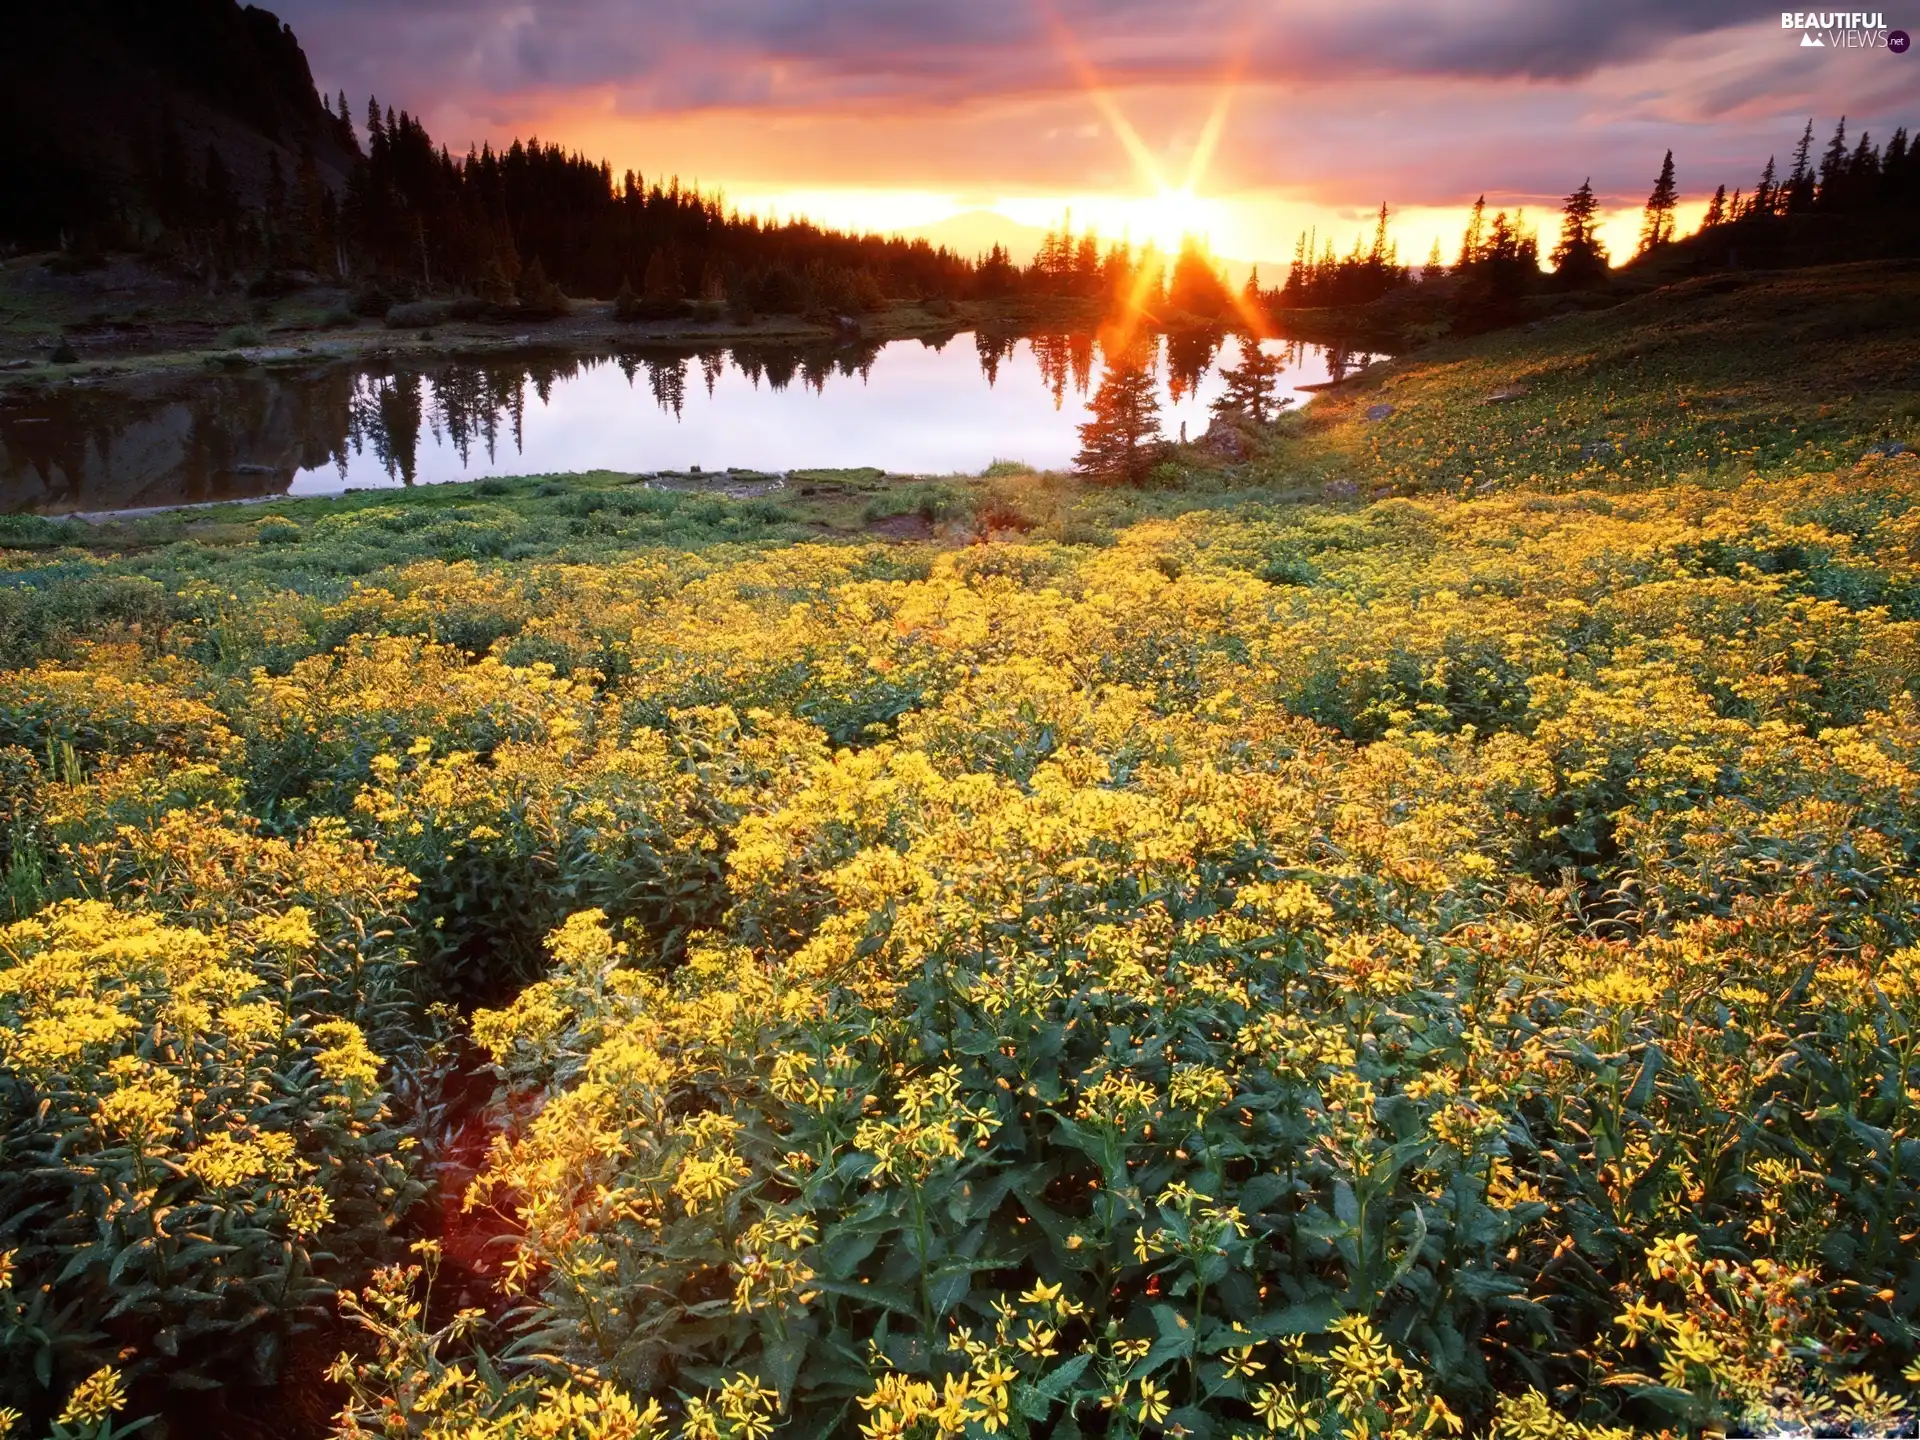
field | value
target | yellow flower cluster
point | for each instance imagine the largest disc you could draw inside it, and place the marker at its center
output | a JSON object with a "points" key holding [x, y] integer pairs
{"points": [[1287, 968]]}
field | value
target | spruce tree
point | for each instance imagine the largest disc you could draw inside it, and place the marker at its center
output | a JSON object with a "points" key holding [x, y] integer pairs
{"points": [[626, 304], [660, 285], [1799, 190], [1116, 444], [1833, 166], [1656, 225], [1250, 385], [1579, 258], [1473, 243], [1716, 210]]}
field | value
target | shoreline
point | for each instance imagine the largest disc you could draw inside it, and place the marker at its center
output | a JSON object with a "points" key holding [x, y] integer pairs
{"points": [[178, 346]]}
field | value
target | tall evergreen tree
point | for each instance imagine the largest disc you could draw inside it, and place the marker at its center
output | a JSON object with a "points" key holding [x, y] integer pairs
{"points": [[1799, 189], [1579, 258], [1833, 166], [1766, 198], [1377, 254], [1473, 242], [1116, 443], [1250, 385], [1716, 210], [1656, 224]]}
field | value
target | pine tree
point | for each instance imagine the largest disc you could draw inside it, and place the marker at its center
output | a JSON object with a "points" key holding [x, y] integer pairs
{"points": [[626, 304], [660, 286], [1377, 255], [1656, 225], [1086, 266], [1473, 242], [1833, 166], [1116, 444], [539, 296], [1862, 183], [1250, 385], [1579, 258], [1435, 266], [1196, 287], [1716, 210], [1799, 189], [1765, 200]]}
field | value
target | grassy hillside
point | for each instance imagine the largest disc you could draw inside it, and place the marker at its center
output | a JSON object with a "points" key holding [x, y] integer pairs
{"points": [[1705, 381], [1406, 933]]}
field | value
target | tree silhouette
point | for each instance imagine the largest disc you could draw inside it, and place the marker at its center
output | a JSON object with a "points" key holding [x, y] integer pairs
{"points": [[1196, 288], [1766, 198], [1833, 166], [660, 289], [1116, 444], [1473, 242], [1656, 223], [1579, 259], [1716, 210], [1799, 188], [626, 304]]}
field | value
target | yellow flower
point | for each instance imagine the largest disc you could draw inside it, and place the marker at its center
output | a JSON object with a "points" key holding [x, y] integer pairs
{"points": [[1153, 1402], [309, 1211], [343, 1057], [95, 1398]]}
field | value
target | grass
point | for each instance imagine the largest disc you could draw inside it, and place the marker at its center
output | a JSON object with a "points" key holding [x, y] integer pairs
{"points": [[1706, 382]]}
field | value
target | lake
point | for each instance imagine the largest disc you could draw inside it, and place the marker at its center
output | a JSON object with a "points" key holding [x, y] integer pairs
{"points": [[916, 407]]}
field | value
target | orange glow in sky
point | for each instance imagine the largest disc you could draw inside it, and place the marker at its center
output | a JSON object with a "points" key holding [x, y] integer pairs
{"points": [[1244, 124]]}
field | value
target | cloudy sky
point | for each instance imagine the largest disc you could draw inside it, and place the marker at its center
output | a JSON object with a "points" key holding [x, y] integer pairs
{"points": [[903, 113]]}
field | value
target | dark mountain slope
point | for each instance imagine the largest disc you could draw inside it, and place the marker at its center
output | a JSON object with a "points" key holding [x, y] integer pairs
{"points": [[109, 110]]}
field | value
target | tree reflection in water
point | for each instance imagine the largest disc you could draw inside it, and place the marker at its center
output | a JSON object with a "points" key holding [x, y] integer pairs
{"points": [[184, 439]]}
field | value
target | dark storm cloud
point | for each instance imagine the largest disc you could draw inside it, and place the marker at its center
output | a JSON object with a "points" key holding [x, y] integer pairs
{"points": [[820, 52]]}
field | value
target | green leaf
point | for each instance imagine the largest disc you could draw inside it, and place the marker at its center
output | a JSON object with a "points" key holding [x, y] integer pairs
{"points": [[1260, 1192], [1063, 1378], [1308, 1317], [1346, 1205], [886, 1297], [780, 1364], [949, 1288], [1642, 1090]]}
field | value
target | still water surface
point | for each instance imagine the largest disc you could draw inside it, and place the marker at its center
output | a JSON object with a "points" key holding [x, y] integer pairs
{"points": [[908, 407]]}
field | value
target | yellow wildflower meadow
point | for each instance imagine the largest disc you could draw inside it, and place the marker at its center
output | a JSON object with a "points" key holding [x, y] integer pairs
{"points": [[1438, 967]]}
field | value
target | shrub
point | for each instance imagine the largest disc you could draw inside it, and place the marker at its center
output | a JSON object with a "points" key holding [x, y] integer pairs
{"points": [[192, 1159], [415, 314]]}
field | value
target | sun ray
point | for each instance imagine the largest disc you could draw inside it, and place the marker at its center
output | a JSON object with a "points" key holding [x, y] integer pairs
{"points": [[1210, 133], [1160, 191], [1109, 108]]}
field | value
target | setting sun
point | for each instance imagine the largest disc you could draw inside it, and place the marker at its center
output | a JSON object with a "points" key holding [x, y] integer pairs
{"points": [[1161, 219]]}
